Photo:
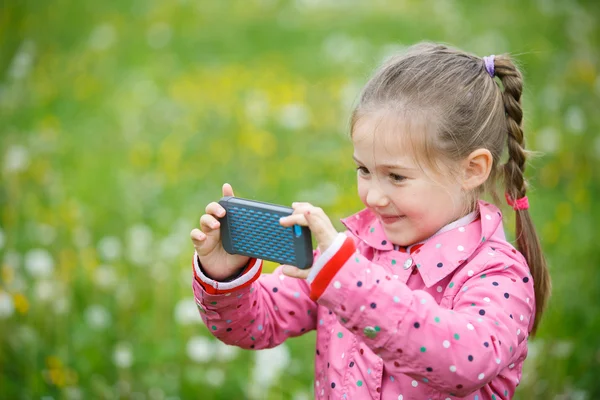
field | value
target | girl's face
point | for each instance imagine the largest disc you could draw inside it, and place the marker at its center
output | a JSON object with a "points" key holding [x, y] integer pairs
{"points": [[409, 204]]}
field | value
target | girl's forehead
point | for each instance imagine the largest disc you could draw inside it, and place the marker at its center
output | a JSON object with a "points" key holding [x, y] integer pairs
{"points": [[380, 155], [385, 139], [383, 148]]}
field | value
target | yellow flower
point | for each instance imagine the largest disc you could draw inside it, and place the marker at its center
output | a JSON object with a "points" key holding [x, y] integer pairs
{"points": [[57, 377], [21, 303], [57, 374]]}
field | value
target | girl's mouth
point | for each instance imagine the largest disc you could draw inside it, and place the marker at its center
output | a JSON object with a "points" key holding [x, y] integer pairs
{"points": [[390, 219]]}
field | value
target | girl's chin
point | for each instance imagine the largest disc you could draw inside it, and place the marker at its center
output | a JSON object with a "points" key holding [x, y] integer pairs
{"points": [[402, 237], [401, 240]]}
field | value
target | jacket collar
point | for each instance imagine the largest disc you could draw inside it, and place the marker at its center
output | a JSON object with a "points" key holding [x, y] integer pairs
{"points": [[439, 255]]}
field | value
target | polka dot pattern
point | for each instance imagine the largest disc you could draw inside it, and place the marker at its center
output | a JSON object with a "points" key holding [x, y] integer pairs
{"points": [[449, 310]]}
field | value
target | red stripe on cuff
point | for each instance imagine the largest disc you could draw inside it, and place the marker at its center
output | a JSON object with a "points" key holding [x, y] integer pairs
{"points": [[211, 290], [331, 268]]}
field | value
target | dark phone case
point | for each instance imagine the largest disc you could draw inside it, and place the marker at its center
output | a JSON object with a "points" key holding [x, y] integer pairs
{"points": [[251, 228]]}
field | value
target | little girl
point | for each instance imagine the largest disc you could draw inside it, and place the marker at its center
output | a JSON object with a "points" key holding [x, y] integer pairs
{"points": [[421, 297]]}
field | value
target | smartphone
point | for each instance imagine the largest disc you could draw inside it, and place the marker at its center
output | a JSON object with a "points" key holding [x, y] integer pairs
{"points": [[251, 228]]}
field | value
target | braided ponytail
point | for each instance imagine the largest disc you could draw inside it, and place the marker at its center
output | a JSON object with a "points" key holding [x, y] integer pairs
{"points": [[528, 242]]}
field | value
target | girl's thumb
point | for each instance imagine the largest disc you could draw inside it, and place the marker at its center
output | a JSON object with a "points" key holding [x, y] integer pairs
{"points": [[227, 190]]}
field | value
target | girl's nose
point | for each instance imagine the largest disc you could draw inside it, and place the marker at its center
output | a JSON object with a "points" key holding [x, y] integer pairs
{"points": [[376, 198]]}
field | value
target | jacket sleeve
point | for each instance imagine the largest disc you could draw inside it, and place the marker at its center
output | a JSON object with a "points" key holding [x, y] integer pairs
{"points": [[456, 350], [254, 311]]}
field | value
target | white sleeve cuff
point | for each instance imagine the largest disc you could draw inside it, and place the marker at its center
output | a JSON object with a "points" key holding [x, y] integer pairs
{"points": [[228, 285], [326, 256]]}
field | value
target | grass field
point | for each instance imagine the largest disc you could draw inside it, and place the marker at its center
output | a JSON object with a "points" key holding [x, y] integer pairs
{"points": [[120, 120]]}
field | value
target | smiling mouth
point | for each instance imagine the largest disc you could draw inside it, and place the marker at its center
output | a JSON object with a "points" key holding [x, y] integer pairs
{"points": [[390, 219]]}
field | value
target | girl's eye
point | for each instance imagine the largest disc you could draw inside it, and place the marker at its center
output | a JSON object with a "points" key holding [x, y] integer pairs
{"points": [[362, 171], [397, 178]]}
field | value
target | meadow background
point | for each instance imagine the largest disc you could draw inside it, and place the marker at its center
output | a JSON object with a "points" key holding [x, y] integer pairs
{"points": [[121, 119]]}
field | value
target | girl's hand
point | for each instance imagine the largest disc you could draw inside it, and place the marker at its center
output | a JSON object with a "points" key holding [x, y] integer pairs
{"points": [[216, 262], [305, 214]]}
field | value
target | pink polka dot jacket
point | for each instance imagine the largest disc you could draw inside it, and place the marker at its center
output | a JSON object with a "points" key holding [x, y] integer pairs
{"points": [[448, 318]]}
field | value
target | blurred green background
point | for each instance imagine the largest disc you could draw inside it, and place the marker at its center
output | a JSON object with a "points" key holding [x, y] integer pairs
{"points": [[120, 120]]}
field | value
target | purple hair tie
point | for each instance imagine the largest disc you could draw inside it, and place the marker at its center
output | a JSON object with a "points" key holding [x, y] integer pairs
{"points": [[489, 64]]}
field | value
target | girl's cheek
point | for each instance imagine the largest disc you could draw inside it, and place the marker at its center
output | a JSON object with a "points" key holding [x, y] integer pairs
{"points": [[362, 192]]}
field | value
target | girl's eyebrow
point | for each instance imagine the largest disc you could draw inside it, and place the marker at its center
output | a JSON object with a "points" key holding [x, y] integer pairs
{"points": [[356, 160], [391, 166]]}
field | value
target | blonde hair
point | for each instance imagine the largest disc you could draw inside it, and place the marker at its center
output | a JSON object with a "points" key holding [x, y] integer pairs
{"points": [[465, 109]]}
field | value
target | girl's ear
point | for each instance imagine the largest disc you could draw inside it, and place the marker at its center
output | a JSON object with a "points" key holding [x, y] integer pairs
{"points": [[476, 168]]}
